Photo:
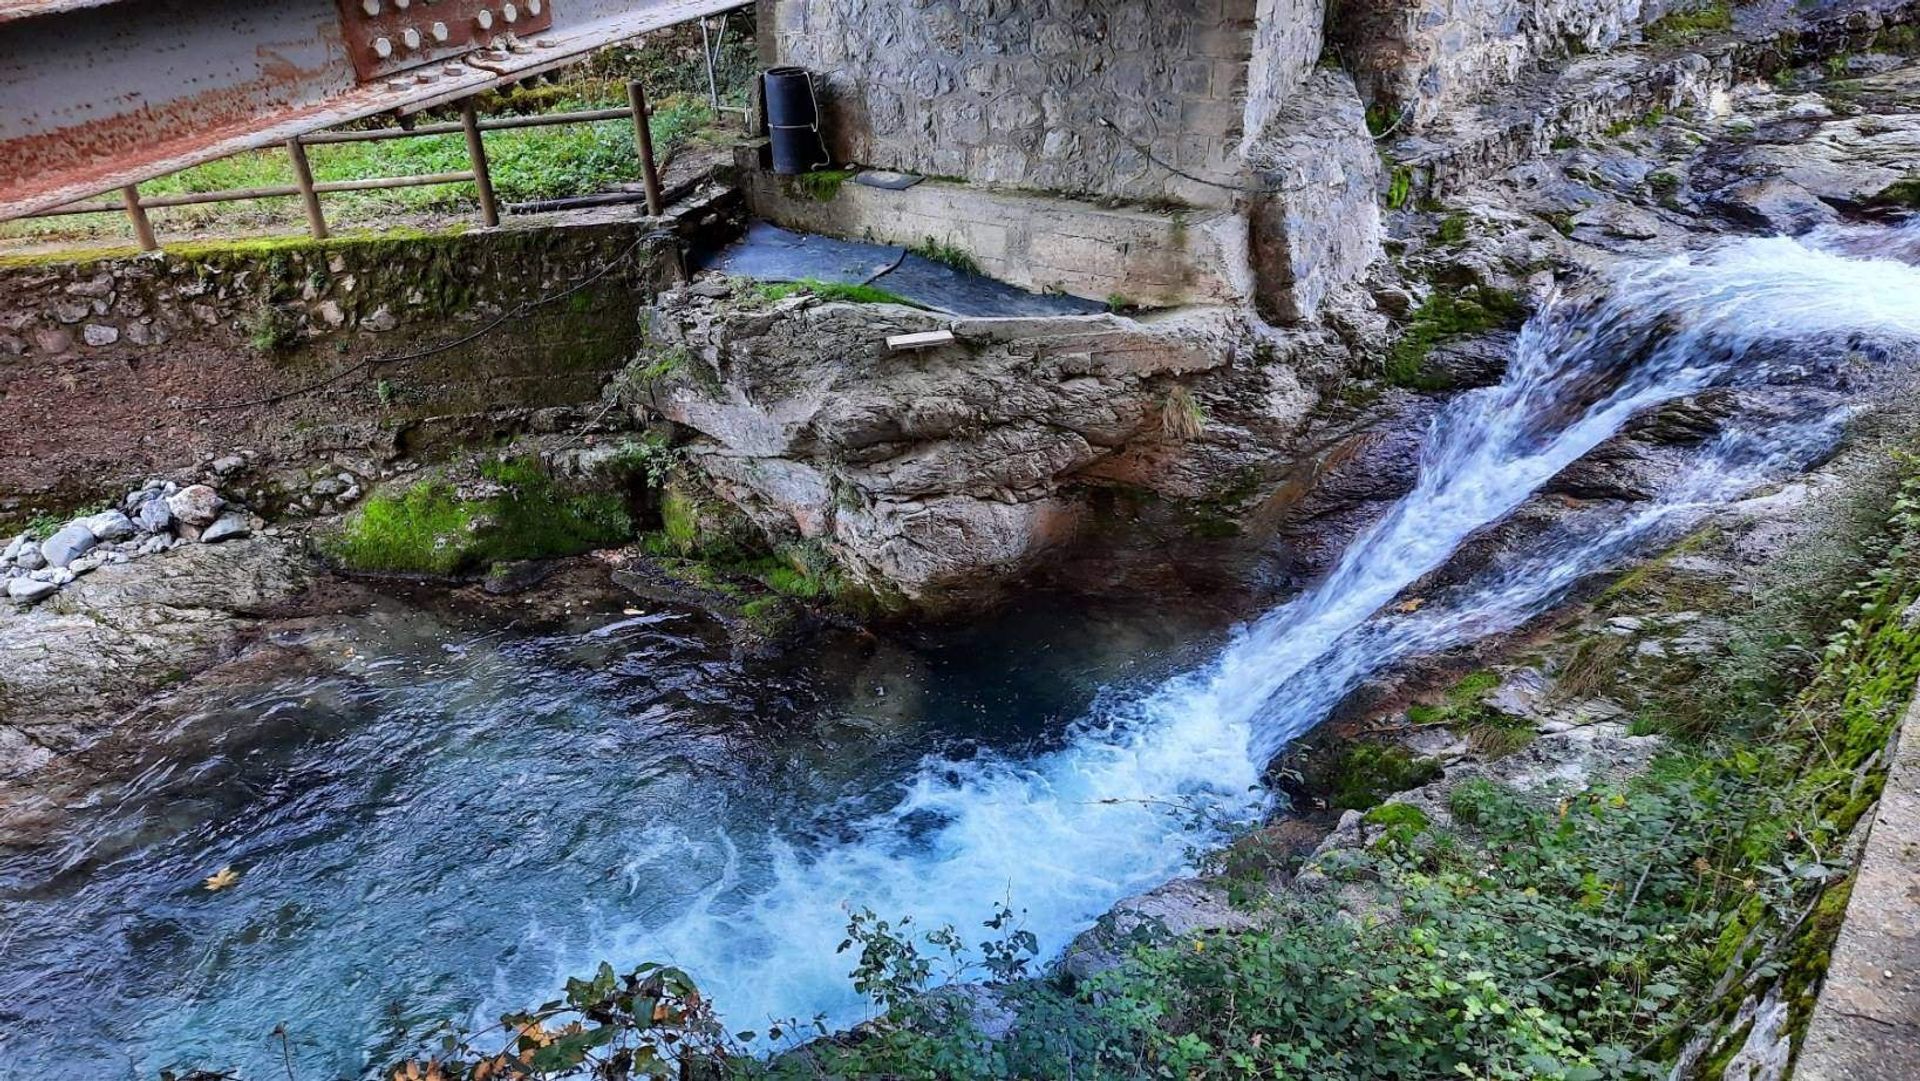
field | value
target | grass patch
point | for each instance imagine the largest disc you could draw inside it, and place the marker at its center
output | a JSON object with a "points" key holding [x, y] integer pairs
{"points": [[821, 185], [1442, 316], [1182, 417], [947, 254]]}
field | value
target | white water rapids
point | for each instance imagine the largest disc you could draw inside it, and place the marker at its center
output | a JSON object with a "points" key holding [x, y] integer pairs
{"points": [[1067, 833]]}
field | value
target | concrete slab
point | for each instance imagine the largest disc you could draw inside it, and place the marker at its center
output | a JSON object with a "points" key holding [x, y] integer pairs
{"points": [[1866, 1024]]}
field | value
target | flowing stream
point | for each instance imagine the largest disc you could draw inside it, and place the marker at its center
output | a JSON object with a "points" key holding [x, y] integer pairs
{"points": [[454, 817]]}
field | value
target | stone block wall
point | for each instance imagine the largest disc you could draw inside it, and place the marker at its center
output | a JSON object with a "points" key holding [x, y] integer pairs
{"points": [[1019, 93], [119, 367]]}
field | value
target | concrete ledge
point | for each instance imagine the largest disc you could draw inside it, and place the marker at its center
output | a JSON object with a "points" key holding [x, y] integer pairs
{"points": [[1866, 1024], [1039, 242]]}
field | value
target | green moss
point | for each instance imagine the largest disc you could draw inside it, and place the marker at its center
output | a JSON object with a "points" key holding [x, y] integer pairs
{"points": [[1399, 187], [1682, 27], [273, 330], [841, 291], [1447, 315], [680, 520], [1901, 193], [429, 529], [1453, 230], [1370, 772], [1397, 814]]}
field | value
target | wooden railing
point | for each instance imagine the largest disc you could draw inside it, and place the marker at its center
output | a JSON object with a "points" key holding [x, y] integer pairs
{"points": [[135, 205]]}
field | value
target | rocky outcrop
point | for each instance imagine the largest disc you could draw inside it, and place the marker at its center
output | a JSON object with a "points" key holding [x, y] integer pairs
{"points": [[1316, 227], [945, 474], [71, 664]]}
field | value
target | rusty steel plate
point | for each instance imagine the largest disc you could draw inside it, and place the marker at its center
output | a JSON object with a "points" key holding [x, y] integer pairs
{"points": [[389, 36], [94, 95]]}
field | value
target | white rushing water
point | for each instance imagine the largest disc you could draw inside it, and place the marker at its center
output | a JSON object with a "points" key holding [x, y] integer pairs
{"points": [[1065, 834]]}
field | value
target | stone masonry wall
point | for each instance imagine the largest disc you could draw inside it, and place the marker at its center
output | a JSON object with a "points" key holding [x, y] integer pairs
{"points": [[1015, 93], [123, 366], [1421, 56]]}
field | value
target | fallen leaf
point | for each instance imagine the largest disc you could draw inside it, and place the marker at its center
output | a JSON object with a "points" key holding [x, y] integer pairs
{"points": [[221, 879], [1410, 605]]}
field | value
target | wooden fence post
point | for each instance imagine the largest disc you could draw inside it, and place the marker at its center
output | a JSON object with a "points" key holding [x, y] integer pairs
{"points": [[142, 228], [477, 150], [643, 138], [303, 179]]}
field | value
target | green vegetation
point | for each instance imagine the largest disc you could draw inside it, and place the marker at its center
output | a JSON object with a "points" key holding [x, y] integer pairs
{"points": [[1489, 733], [1900, 193], [273, 330], [843, 291], [821, 185], [429, 529], [948, 254], [1445, 315], [1182, 417], [1399, 187], [1453, 229], [1684, 27], [1652, 118], [1355, 774]]}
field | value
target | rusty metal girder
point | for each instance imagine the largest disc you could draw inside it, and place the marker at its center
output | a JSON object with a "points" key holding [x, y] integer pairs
{"points": [[95, 94]]}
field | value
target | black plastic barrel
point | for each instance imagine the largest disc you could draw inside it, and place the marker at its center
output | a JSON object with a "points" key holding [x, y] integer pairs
{"points": [[793, 120]]}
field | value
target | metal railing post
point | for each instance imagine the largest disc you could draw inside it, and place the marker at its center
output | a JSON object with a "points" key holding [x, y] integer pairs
{"points": [[643, 139], [713, 83], [477, 150], [137, 214], [303, 179]]}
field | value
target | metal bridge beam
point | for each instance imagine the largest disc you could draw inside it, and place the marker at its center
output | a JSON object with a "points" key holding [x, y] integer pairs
{"points": [[97, 94]]}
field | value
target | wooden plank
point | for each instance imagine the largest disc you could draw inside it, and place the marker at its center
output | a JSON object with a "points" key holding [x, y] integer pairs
{"points": [[926, 339]]}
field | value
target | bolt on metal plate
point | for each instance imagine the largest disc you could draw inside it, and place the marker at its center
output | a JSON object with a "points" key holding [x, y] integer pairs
{"points": [[386, 37]]}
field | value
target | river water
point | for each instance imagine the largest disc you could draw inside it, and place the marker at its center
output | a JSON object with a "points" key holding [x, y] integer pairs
{"points": [[444, 815]]}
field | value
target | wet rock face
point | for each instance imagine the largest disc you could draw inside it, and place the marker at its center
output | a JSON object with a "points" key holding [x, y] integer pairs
{"points": [[946, 475], [105, 639]]}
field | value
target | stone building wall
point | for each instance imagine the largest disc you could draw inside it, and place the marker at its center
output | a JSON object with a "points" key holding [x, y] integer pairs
{"points": [[1016, 93]]}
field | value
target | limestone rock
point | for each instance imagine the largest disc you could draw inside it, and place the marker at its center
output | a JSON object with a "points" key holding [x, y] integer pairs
{"points": [[28, 590], [196, 505], [110, 525], [71, 542], [153, 514], [229, 526], [117, 631]]}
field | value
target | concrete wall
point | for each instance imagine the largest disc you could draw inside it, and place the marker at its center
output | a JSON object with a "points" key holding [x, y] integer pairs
{"points": [[120, 366], [1014, 93], [1160, 258]]}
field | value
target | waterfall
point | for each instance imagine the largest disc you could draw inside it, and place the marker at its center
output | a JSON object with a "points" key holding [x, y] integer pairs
{"points": [[1066, 833]]}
